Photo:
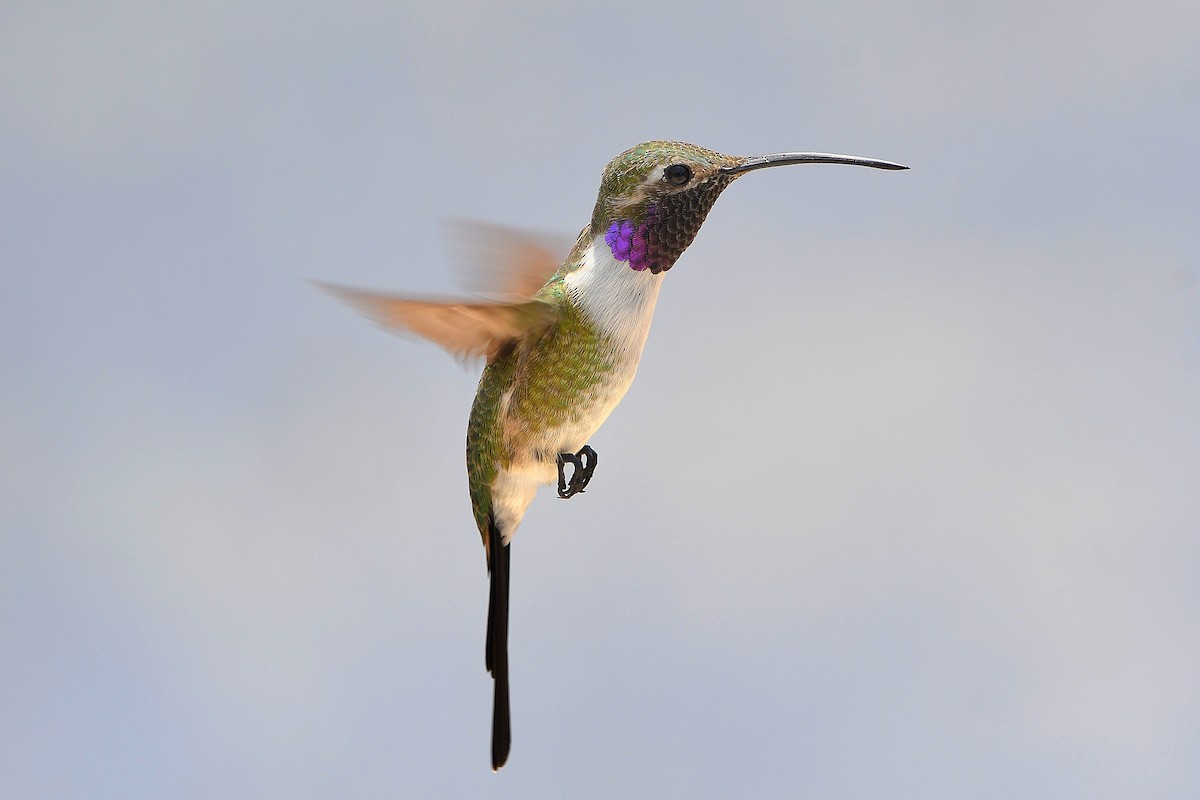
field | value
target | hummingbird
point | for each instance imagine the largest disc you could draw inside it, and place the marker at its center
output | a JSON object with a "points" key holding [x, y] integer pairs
{"points": [[563, 344]]}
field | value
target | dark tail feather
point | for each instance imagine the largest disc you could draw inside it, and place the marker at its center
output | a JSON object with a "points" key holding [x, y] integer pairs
{"points": [[496, 649]]}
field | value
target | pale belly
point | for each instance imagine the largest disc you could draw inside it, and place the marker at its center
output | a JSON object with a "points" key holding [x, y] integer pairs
{"points": [[586, 411], [533, 458]]}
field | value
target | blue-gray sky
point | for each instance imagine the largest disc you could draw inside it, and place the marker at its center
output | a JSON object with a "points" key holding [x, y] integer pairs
{"points": [[902, 503]]}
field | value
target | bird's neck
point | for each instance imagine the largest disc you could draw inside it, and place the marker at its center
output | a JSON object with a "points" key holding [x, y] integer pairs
{"points": [[617, 299]]}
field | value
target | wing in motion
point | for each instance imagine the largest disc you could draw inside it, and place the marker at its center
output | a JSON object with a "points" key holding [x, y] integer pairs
{"points": [[466, 330]]}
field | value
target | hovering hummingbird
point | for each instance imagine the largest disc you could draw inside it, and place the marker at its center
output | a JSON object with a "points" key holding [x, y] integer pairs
{"points": [[564, 345]]}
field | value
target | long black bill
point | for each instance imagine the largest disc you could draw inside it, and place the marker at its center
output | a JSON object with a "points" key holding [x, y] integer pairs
{"points": [[782, 159]]}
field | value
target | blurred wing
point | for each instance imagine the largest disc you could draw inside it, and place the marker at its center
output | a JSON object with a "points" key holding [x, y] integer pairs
{"points": [[464, 329], [503, 262]]}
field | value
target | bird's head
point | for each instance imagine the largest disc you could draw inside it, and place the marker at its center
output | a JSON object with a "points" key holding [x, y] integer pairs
{"points": [[654, 196]]}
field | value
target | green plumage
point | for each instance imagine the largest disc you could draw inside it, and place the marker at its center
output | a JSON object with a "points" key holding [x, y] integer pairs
{"points": [[550, 378], [485, 451]]}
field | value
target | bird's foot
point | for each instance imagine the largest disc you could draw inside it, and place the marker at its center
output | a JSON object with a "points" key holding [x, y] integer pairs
{"points": [[585, 464]]}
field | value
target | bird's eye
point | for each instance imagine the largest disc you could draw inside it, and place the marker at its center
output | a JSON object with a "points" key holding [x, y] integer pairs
{"points": [[678, 174]]}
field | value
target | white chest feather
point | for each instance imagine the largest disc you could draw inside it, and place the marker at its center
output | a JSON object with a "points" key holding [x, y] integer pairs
{"points": [[619, 302], [617, 299]]}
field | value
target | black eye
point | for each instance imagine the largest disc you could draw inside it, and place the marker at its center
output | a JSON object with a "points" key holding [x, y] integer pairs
{"points": [[678, 174]]}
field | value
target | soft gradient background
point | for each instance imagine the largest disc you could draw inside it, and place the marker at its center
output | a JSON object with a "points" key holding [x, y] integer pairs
{"points": [[904, 502]]}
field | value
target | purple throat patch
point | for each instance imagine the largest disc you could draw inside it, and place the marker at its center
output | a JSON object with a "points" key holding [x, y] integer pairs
{"points": [[631, 242]]}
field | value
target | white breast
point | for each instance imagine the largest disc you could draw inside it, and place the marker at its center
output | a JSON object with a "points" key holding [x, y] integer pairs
{"points": [[618, 300]]}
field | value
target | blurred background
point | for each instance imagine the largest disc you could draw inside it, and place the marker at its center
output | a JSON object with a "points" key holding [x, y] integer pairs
{"points": [[903, 502]]}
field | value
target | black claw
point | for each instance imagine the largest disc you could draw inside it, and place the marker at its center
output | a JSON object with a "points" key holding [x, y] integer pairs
{"points": [[562, 459], [587, 460], [584, 463]]}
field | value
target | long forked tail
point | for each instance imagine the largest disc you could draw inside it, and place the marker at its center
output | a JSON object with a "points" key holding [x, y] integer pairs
{"points": [[496, 649]]}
